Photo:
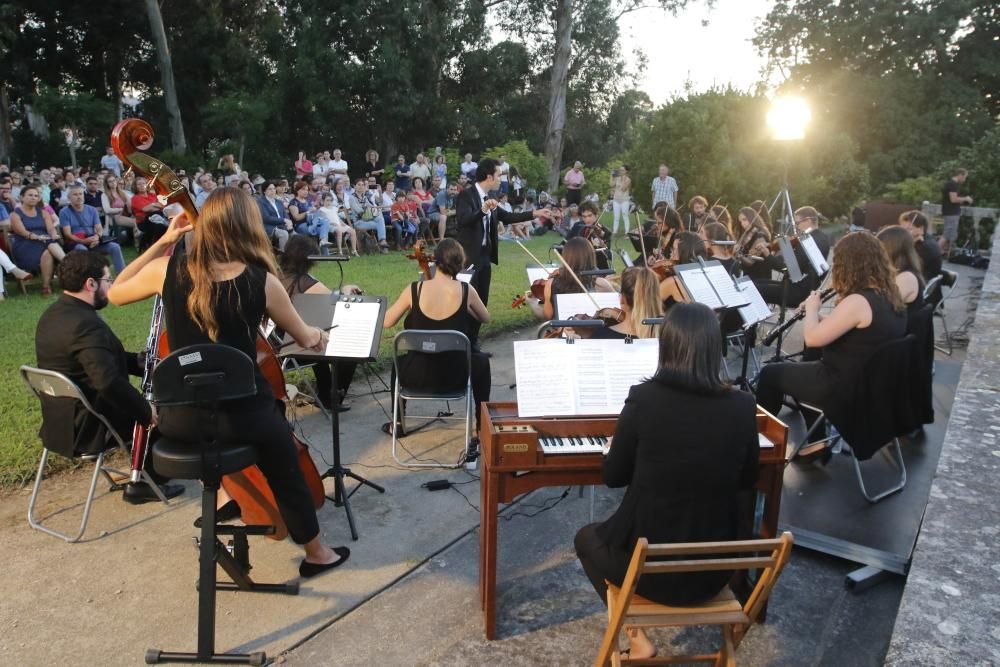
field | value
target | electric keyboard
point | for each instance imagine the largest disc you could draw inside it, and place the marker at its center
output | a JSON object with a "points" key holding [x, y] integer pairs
{"points": [[585, 444]]}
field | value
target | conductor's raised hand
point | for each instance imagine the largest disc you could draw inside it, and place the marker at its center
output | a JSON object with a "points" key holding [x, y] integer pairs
{"points": [[489, 205], [543, 213]]}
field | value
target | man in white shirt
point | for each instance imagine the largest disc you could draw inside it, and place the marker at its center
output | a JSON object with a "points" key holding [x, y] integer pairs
{"points": [[664, 188], [322, 165], [421, 170], [469, 167], [111, 162], [504, 175], [337, 165]]}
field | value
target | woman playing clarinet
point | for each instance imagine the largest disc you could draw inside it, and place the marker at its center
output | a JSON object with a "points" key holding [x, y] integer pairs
{"points": [[869, 312]]}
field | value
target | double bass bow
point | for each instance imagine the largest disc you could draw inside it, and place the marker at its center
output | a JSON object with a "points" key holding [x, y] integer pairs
{"points": [[247, 487]]}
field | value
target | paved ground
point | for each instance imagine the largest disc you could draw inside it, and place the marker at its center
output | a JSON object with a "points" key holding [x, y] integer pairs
{"points": [[409, 594]]}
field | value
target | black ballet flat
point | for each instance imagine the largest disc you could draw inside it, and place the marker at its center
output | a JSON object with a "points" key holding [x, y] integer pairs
{"points": [[307, 569]]}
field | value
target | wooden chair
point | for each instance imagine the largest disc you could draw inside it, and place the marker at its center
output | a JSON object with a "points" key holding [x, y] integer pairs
{"points": [[627, 608]]}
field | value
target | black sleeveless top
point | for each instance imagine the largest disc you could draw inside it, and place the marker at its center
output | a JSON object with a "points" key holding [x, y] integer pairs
{"points": [[918, 302], [416, 319], [435, 372], [849, 352], [240, 309]]}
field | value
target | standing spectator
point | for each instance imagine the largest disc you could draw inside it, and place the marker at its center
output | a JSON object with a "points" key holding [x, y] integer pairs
{"points": [[620, 197], [306, 218], [338, 166], [111, 162], [148, 213], [81, 229], [468, 167], [303, 166], [208, 184], [504, 175], [420, 168], [229, 169], [114, 203], [444, 203], [277, 224], [368, 214], [441, 170], [574, 181], [664, 188], [372, 168], [951, 209], [322, 166], [402, 174], [35, 241], [516, 187]]}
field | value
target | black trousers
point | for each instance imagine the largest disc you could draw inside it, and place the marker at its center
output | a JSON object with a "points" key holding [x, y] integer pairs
{"points": [[324, 379], [809, 381], [600, 562], [481, 281], [259, 422], [771, 291], [574, 196]]}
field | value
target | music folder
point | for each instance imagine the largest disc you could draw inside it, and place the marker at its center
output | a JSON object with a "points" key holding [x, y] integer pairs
{"points": [[756, 309], [791, 261], [710, 283], [354, 324], [815, 257]]}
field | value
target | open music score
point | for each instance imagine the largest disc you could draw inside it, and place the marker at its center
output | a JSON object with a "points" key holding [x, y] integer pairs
{"points": [[354, 324], [518, 456], [592, 377], [536, 272], [815, 257], [568, 305], [710, 283], [756, 309]]}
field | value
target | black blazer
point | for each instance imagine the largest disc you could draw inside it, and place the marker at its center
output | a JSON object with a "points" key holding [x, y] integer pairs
{"points": [[469, 217], [687, 460], [72, 339]]}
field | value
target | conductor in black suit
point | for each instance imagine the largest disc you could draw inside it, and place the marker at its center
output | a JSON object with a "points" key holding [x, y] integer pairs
{"points": [[477, 217], [74, 340]]}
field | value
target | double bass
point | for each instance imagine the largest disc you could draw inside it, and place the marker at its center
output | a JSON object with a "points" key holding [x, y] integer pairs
{"points": [[247, 487]]}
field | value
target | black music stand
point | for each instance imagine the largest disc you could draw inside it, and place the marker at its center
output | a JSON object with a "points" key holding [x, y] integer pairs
{"points": [[792, 273], [352, 339]]}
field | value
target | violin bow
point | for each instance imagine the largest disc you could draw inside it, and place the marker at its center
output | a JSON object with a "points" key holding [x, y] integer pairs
{"points": [[571, 272], [533, 258]]}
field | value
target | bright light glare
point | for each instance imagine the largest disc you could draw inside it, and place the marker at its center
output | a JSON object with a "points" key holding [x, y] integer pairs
{"points": [[788, 118]]}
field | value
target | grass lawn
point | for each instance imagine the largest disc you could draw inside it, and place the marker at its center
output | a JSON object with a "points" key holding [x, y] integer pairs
{"points": [[377, 274]]}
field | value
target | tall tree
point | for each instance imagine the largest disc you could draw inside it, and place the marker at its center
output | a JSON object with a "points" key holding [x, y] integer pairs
{"points": [[177, 139]]}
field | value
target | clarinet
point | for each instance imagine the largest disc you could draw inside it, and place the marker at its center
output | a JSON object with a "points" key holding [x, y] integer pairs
{"points": [[140, 433], [824, 296]]}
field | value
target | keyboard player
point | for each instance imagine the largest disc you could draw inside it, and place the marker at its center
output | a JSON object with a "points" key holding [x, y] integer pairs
{"points": [[685, 474]]}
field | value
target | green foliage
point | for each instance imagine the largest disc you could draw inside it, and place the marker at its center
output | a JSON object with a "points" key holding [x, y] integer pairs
{"points": [[982, 159], [530, 165], [914, 191]]}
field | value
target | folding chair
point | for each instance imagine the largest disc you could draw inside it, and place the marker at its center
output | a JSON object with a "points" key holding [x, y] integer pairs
{"points": [[429, 341], [724, 610], [46, 384], [893, 376], [948, 283]]}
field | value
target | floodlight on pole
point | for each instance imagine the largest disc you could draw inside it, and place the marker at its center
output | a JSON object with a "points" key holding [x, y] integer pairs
{"points": [[788, 118]]}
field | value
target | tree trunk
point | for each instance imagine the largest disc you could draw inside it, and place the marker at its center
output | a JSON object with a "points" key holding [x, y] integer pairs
{"points": [[6, 140], [558, 86], [243, 144], [177, 140], [72, 148]]}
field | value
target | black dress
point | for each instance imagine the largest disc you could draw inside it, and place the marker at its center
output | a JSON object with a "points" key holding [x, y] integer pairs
{"points": [[818, 382], [443, 372], [258, 420], [688, 459]]}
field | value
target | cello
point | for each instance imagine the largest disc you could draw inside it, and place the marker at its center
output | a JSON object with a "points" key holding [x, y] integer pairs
{"points": [[129, 139]]}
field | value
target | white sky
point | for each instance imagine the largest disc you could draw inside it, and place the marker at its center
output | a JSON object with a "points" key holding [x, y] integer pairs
{"points": [[681, 48]]}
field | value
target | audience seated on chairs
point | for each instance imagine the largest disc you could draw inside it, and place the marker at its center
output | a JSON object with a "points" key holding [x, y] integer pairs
{"points": [[442, 303], [148, 212], [277, 224], [81, 229], [295, 265], [35, 238], [687, 485], [74, 340]]}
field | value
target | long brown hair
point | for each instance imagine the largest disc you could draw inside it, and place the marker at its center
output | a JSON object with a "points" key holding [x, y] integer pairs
{"points": [[860, 262], [579, 255], [640, 288], [898, 244], [229, 229]]}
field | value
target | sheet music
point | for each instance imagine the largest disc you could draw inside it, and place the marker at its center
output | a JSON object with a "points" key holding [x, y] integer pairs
{"points": [[539, 273], [816, 258], [757, 309], [724, 285], [588, 377], [540, 365], [764, 442], [698, 287], [268, 327], [568, 305], [465, 276], [355, 325]]}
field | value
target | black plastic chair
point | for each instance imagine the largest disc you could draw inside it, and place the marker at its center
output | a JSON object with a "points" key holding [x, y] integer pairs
{"points": [[205, 376]]}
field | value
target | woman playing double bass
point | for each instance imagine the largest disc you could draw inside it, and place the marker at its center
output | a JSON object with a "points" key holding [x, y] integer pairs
{"points": [[218, 292]]}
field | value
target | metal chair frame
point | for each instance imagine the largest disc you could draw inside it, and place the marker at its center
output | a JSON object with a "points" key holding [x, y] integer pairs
{"points": [[56, 385], [429, 341], [947, 289]]}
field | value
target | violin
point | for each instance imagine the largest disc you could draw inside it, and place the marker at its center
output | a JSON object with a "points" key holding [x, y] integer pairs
{"points": [[537, 291], [663, 268], [247, 487], [423, 258]]}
